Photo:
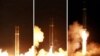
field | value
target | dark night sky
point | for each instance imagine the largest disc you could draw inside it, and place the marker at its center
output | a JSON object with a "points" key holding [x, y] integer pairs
{"points": [[93, 11], [12, 13], [45, 10]]}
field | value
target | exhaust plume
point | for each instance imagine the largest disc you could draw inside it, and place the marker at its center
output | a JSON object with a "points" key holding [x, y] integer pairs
{"points": [[84, 36], [74, 38], [38, 36], [76, 35]]}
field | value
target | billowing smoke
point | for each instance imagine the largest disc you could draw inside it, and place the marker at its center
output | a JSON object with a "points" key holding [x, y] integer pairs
{"points": [[3, 53], [93, 49], [60, 52], [74, 38], [75, 42], [38, 36], [30, 52], [76, 33]]}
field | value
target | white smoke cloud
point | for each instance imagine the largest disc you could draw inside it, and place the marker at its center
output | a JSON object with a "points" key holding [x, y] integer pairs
{"points": [[38, 36], [3, 53]]}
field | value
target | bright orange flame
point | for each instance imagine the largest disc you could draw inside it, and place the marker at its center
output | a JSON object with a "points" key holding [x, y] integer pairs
{"points": [[84, 35]]}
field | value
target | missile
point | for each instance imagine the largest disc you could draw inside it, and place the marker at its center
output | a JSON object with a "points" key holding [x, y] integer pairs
{"points": [[16, 40]]}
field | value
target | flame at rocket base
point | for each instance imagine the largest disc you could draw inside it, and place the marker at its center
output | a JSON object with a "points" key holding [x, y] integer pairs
{"points": [[84, 36]]}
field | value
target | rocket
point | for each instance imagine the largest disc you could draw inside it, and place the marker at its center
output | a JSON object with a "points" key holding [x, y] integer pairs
{"points": [[16, 40], [51, 33], [84, 14]]}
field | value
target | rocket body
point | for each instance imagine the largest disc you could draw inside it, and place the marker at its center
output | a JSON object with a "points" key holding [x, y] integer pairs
{"points": [[17, 41]]}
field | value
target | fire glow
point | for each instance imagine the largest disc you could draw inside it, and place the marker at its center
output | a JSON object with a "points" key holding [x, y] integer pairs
{"points": [[38, 37], [77, 44], [78, 38]]}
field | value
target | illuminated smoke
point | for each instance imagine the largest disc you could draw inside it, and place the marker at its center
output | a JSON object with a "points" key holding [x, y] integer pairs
{"points": [[77, 36], [42, 52], [74, 38], [38, 36], [31, 52], [76, 33], [84, 36], [3, 53], [60, 52], [51, 51], [93, 49]]}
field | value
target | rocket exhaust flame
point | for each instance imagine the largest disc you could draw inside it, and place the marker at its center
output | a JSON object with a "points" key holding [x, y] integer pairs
{"points": [[76, 33], [84, 36]]}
